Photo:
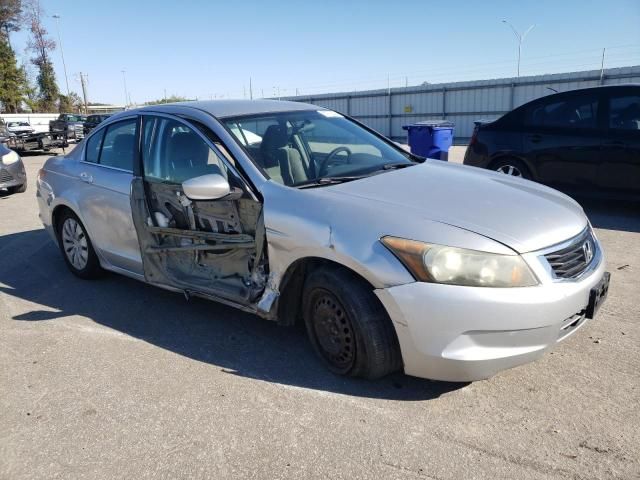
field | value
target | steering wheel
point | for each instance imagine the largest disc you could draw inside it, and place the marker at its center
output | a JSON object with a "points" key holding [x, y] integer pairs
{"points": [[329, 158]]}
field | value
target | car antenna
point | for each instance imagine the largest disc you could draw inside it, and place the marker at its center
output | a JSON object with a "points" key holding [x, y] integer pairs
{"points": [[552, 89]]}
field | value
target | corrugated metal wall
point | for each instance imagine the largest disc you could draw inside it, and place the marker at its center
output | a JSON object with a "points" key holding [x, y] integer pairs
{"points": [[460, 102]]}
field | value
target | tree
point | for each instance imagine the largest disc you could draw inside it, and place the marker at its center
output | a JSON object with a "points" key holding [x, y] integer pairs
{"points": [[70, 103], [40, 44], [13, 79], [64, 104], [10, 16], [31, 93]]}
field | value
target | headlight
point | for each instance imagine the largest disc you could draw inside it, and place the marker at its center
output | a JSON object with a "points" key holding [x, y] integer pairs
{"points": [[11, 157], [459, 266]]}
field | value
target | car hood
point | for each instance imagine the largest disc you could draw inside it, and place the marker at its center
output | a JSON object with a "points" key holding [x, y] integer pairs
{"points": [[520, 214]]}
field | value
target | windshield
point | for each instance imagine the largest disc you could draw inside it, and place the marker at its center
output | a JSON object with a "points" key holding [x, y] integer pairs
{"points": [[75, 118], [302, 148]]}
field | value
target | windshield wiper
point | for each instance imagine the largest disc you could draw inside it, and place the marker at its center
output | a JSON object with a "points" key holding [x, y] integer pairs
{"points": [[322, 181], [397, 165]]}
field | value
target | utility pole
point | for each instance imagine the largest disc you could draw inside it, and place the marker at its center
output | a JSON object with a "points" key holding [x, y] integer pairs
{"points": [[84, 91], [165, 96], [126, 95], [602, 67], [250, 90], [520, 37], [64, 65]]}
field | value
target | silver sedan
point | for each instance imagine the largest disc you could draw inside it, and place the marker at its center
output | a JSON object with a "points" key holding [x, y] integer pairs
{"points": [[298, 213]]}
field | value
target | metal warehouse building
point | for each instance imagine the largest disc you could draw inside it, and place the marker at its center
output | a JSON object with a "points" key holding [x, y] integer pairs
{"points": [[387, 110]]}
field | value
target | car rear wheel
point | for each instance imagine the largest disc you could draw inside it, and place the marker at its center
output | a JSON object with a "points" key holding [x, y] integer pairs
{"points": [[513, 167], [76, 247], [347, 326]]}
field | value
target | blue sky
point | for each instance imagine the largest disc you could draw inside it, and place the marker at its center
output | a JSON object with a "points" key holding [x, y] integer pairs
{"points": [[209, 49]]}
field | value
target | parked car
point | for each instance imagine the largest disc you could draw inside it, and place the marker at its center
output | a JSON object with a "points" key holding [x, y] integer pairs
{"points": [[13, 176], [20, 127], [68, 126], [295, 212], [580, 141], [93, 121]]}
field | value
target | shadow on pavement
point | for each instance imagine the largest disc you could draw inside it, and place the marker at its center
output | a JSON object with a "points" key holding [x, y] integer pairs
{"points": [[31, 268]]}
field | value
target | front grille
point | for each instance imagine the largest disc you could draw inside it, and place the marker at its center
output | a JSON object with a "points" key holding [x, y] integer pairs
{"points": [[5, 176], [572, 261]]}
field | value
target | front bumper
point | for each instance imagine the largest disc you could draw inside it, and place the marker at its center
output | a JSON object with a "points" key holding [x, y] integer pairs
{"points": [[12, 175], [461, 334]]}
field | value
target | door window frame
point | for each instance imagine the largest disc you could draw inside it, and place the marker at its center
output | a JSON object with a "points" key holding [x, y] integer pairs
{"points": [[231, 169], [104, 129]]}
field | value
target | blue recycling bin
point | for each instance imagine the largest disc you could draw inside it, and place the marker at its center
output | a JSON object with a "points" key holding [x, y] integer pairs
{"points": [[431, 138]]}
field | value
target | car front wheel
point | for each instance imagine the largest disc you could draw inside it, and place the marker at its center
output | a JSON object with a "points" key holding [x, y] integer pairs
{"points": [[76, 247], [348, 326]]}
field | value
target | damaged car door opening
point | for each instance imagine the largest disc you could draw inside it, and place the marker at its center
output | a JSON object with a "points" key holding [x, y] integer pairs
{"points": [[298, 213]]}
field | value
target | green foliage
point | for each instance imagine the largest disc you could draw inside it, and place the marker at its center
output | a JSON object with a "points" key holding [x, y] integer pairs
{"points": [[31, 95], [70, 103], [10, 16], [13, 80], [40, 44], [65, 104], [47, 86]]}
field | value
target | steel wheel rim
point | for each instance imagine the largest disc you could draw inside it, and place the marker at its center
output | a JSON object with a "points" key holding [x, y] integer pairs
{"points": [[333, 331], [74, 243], [510, 170]]}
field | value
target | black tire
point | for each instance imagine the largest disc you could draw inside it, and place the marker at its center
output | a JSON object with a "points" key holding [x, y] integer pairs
{"points": [[348, 326], [503, 165], [91, 268], [18, 189]]}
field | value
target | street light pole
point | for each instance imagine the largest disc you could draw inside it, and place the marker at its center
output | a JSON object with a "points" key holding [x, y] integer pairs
{"points": [[126, 95], [64, 66], [520, 37]]}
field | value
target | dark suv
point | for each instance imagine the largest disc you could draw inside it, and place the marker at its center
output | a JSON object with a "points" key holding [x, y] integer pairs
{"points": [[579, 141]]}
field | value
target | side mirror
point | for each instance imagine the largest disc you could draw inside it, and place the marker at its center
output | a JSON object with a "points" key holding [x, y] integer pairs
{"points": [[206, 187]]}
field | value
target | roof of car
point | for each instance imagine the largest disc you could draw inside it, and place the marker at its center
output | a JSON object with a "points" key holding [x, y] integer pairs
{"points": [[234, 108]]}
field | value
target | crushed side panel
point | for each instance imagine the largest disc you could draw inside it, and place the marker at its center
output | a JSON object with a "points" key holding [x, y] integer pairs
{"points": [[205, 247]]}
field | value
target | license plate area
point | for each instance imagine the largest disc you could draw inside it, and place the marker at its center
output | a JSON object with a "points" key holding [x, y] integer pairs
{"points": [[598, 295]]}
